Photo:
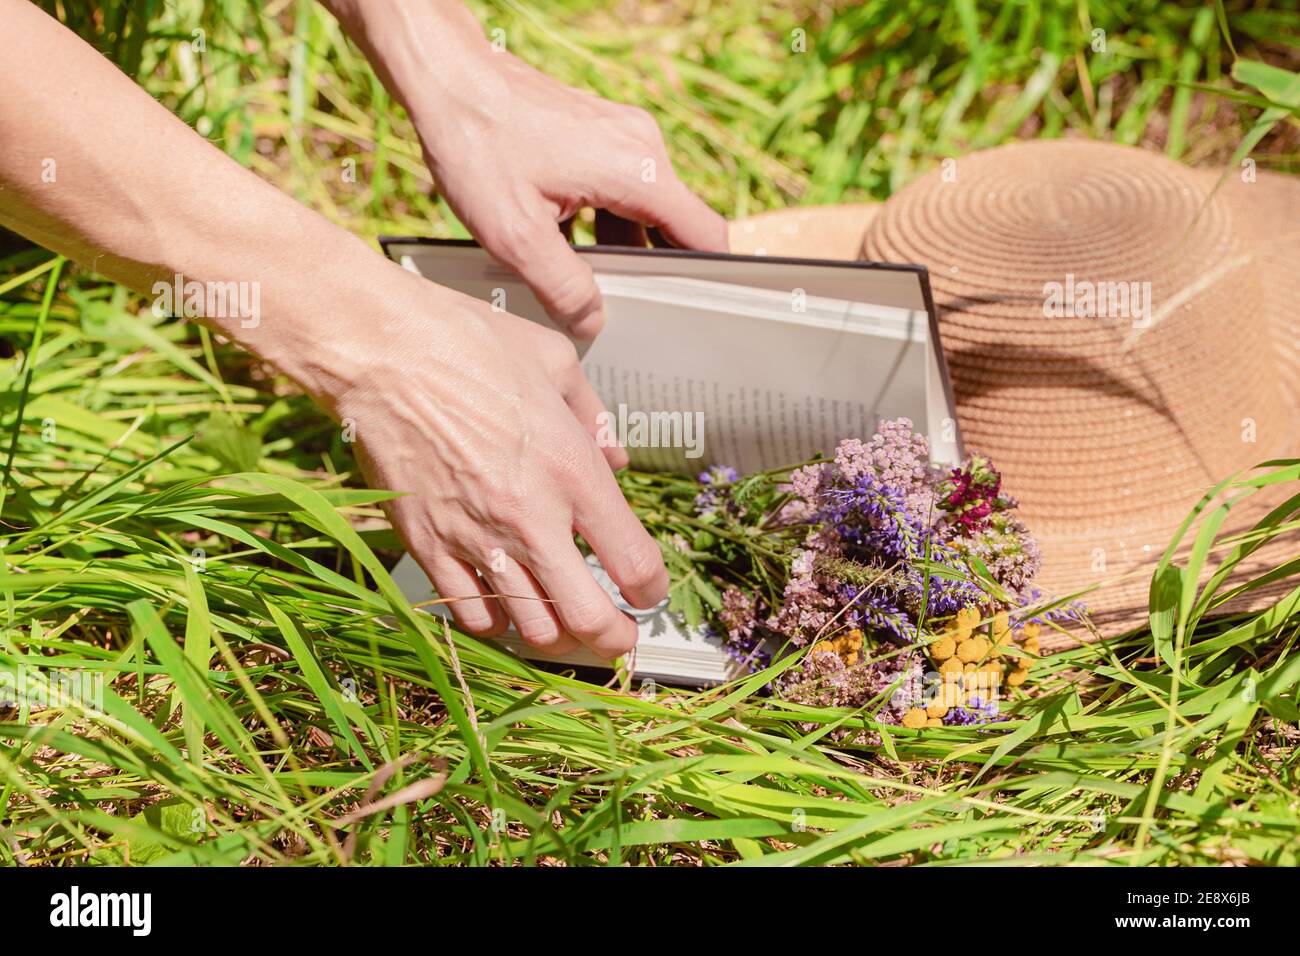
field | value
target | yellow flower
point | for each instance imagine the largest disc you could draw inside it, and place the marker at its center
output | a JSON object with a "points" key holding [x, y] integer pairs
{"points": [[973, 650], [850, 642], [949, 695], [846, 646], [943, 648], [915, 718]]}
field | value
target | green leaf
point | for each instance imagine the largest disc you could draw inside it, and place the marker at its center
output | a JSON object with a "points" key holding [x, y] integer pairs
{"points": [[1166, 598], [235, 445], [1279, 85], [160, 828]]}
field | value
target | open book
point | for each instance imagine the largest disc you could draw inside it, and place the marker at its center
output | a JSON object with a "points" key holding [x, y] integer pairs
{"points": [[747, 361]]}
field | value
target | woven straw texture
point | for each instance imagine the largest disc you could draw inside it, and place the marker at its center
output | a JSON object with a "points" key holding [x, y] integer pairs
{"points": [[1178, 367]]}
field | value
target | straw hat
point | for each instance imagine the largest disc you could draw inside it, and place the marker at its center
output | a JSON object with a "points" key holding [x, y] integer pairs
{"points": [[1119, 339]]}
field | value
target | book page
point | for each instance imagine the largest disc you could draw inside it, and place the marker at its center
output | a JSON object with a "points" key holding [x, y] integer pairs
{"points": [[756, 374], [696, 373]]}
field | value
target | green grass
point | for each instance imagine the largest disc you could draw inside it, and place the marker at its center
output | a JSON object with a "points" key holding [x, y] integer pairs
{"points": [[268, 696], [883, 91]]}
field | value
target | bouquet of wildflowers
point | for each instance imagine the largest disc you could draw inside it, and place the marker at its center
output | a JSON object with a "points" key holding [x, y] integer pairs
{"points": [[900, 588]]}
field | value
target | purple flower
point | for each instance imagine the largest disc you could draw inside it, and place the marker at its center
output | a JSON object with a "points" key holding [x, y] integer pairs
{"points": [[876, 610], [739, 614], [1068, 612], [719, 475], [873, 516], [716, 494], [1008, 550], [974, 711]]}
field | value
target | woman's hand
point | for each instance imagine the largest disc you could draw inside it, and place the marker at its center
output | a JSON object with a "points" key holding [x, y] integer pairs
{"points": [[488, 422], [515, 152]]}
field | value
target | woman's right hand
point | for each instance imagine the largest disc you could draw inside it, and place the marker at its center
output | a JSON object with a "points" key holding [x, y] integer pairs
{"points": [[488, 424]]}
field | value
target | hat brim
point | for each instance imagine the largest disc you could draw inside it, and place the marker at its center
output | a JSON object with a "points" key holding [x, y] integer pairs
{"points": [[804, 232], [1114, 574]]}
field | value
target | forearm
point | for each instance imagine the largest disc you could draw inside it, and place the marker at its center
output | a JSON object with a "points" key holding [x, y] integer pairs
{"points": [[93, 167], [429, 54]]}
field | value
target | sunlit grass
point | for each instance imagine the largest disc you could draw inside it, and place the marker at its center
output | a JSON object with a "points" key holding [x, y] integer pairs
{"points": [[269, 698]]}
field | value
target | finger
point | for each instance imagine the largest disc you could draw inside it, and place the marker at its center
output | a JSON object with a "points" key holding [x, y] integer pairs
{"points": [[666, 204], [595, 417], [526, 604], [584, 609], [457, 581], [612, 230], [450, 577], [562, 282], [624, 547]]}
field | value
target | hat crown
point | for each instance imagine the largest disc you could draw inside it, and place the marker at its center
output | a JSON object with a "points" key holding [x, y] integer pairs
{"points": [[1103, 324]]}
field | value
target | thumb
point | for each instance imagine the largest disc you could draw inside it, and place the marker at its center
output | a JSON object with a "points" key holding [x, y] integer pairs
{"points": [[562, 282]]}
